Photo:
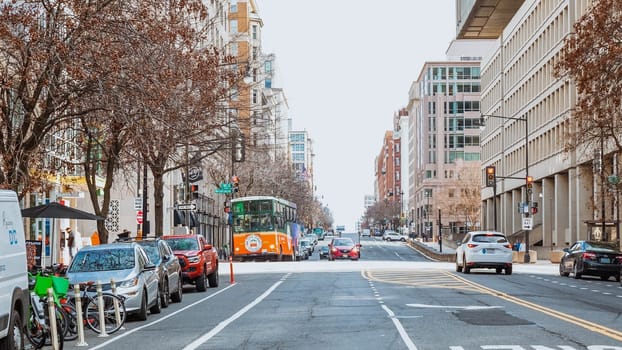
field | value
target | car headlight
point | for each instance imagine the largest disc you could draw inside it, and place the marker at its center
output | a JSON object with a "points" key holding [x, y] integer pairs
{"points": [[194, 259], [129, 283]]}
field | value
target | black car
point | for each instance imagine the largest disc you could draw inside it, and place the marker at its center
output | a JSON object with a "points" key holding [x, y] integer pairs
{"points": [[591, 258], [168, 268], [324, 252]]}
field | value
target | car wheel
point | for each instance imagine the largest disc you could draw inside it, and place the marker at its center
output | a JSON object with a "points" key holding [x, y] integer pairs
{"points": [[466, 269], [142, 312], [604, 277], [508, 270], [201, 283], [617, 278], [165, 295], [213, 279], [575, 271], [458, 267], [157, 307], [177, 296], [15, 336], [498, 270], [562, 272]]}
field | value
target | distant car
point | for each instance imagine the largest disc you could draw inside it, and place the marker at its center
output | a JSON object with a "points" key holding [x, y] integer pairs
{"points": [[313, 238], [324, 251], [591, 258], [484, 249], [168, 268], [302, 253], [366, 233], [393, 236], [129, 266], [306, 243], [343, 248]]}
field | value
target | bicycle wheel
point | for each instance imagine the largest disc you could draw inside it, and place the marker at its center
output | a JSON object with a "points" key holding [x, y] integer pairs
{"points": [[72, 321], [91, 313], [35, 332]]}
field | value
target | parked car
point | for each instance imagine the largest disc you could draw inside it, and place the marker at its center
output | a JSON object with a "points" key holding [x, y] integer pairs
{"points": [[302, 253], [343, 248], [306, 243], [484, 249], [167, 267], [393, 236], [324, 252], [591, 258], [366, 232], [129, 266], [198, 260]]}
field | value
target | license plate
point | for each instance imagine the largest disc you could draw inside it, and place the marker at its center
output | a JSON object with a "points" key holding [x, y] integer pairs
{"points": [[605, 260]]}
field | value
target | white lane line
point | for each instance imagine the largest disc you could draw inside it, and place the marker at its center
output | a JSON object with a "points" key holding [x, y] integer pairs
{"points": [[407, 341], [195, 344], [161, 319]]}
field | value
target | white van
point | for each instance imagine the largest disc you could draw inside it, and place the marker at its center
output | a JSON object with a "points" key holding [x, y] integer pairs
{"points": [[14, 296]]}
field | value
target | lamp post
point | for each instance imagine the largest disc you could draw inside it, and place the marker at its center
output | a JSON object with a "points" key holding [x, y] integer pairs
{"points": [[440, 232], [527, 178]]}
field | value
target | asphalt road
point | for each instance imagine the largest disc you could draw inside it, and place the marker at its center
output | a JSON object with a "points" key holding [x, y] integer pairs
{"points": [[393, 298]]}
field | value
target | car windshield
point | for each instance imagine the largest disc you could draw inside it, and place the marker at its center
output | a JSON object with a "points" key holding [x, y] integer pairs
{"points": [[183, 243], [152, 251], [304, 243], [343, 241], [103, 260], [489, 238]]}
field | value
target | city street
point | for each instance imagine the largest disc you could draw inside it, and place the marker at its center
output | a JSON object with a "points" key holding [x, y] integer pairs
{"points": [[393, 298]]}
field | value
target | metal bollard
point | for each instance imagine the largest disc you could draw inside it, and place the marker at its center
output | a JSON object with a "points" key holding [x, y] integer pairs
{"points": [[117, 313], [231, 278], [102, 315], [52, 318], [79, 318]]}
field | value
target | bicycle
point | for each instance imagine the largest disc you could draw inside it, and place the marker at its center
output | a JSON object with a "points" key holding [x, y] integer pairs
{"points": [[90, 304], [38, 328]]}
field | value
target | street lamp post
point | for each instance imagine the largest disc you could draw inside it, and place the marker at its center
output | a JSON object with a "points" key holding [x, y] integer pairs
{"points": [[440, 231], [527, 178]]}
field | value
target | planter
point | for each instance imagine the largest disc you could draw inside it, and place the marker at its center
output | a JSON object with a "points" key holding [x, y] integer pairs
{"points": [[556, 256]]}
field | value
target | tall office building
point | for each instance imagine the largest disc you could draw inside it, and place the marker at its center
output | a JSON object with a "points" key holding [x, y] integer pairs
{"points": [[301, 155], [518, 83], [444, 111]]}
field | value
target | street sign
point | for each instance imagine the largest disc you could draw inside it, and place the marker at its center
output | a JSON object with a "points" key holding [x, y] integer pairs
{"points": [[138, 203], [139, 217], [186, 206], [527, 223], [220, 190]]}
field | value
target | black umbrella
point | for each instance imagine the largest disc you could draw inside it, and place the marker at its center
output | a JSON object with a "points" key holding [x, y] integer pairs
{"points": [[58, 211]]}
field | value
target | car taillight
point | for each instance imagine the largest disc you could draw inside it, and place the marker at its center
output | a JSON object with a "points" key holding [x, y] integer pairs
{"points": [[589, 256], [471, 245], [618, 258], [509, 246]]}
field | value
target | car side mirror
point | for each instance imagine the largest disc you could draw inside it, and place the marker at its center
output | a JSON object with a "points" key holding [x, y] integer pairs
{"points": [[208, 247], [565, 250], [149, 267]]}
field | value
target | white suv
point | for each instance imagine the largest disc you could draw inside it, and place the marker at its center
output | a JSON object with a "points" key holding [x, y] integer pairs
{"points": [[14, 295], [393, 236], [484, 249]]}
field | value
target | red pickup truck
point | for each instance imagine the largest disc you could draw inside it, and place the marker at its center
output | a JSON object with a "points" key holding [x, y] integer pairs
{"points": [[198, 260]]}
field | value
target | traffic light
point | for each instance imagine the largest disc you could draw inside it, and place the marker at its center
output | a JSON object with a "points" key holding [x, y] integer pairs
{"points": [[529, 182], [490, 176], [534, 208], [236, 183], [194, 190]]}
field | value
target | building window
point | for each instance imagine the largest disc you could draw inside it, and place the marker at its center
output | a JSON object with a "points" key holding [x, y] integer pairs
{"points": [[234, 5], [233, 49], [268, 83], [267, 67], [254, 32], [233, 26], [255, 95]]}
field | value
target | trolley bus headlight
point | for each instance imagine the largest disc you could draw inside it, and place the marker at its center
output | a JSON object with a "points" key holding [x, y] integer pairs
{"points": [[272, 246]]}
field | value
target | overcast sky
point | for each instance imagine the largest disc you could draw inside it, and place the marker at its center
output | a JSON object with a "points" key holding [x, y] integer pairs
{"points": [[346, 67]]}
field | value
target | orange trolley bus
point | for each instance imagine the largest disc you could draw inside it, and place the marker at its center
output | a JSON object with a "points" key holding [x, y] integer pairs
{"points": [[262, 228]]}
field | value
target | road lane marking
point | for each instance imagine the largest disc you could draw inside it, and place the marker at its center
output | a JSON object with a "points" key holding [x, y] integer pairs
{"points": [[469, 307], [222, 325], [161, 319], [407, 341], [591, 326]]}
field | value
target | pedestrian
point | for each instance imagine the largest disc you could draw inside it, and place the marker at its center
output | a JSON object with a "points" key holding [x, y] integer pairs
{"points": [[225, 250], [71, 241]]}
